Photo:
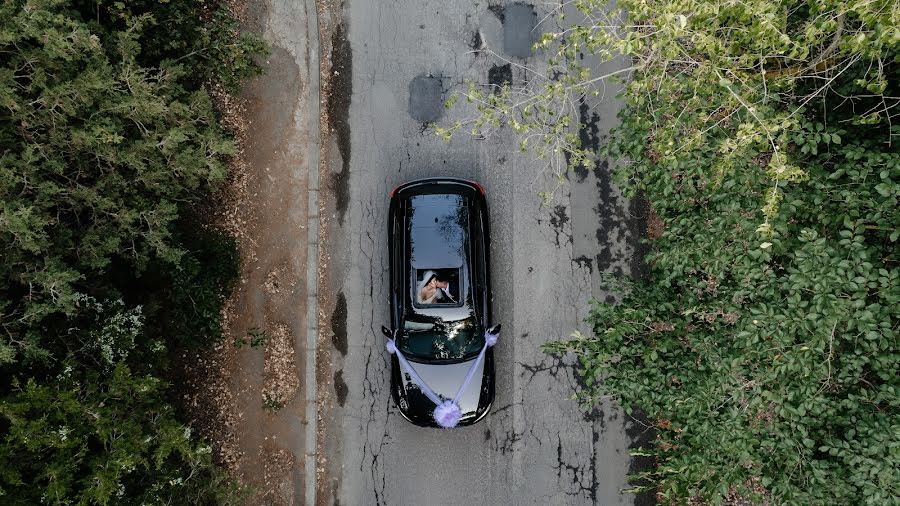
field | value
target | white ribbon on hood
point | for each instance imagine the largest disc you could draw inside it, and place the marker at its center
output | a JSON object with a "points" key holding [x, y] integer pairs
{"points": [[447, 413]]}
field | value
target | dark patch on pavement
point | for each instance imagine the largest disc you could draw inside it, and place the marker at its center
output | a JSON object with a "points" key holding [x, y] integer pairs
{"points": [[588, 135], [639, 211], [497, 10], [558, 219], [550, 364], [341, 94], [519, 21], [476, 43], [642, 433], [584, 478], [607, 213], [339, 324], [584, 261], [425, 104], [498, 75], [487, 435], [340, 387]]}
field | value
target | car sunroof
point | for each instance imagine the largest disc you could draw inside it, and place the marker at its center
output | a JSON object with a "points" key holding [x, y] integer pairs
{"points": [[437, 287]]}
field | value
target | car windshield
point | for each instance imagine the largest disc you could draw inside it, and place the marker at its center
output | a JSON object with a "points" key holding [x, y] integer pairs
{"points": [[434, 339]]}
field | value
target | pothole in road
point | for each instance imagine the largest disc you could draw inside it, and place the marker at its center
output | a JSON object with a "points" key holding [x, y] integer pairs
{"points": [[519, 21], [498, 75], [425, 104]]}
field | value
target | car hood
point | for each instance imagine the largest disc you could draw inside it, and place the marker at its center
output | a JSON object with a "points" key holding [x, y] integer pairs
{"points": [[445, 380]]}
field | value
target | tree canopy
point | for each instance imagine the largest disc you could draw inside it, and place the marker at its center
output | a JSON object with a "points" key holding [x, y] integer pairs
{"points": [[763, 341], [108, 138]]}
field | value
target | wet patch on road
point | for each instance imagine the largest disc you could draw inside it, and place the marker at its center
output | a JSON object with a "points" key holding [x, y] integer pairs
{"points": [[519, 34], [498, 11], [639, 212], [583, 477], [584, 261], [340, 387], [477, 42], [339, 324], [558, 220], [588, 134], [498, 75], [608, 214], [641, 434], [425, 99], [340, 96]]}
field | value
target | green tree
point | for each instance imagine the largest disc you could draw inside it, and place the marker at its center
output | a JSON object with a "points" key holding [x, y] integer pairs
{"points": [[108, 140], [763, 341], [87, 437]]}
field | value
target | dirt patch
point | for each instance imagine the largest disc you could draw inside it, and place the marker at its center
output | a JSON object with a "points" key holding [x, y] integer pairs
{"points": [[498, 10], [207, 400], [273, 282], [276, 473], [281, 379], [655, 225], [235, 395]]}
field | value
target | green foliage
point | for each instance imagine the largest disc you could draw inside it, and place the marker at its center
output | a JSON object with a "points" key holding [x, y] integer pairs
{"points": [[763, 341], [98, 154], [102, 439], [271, 402], [202, 280], [255, 337], [774, 363], [108, 138]]}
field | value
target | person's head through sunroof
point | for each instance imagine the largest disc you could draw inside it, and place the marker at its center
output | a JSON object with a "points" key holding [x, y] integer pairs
{"points": [[435, 288]]}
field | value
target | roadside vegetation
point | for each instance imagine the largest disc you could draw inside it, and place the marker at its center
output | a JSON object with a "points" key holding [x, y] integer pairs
{"points": [[763, 341], [109, 144]]}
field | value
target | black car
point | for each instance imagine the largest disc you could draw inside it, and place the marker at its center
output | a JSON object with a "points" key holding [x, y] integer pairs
{"points": [[440, 297]]}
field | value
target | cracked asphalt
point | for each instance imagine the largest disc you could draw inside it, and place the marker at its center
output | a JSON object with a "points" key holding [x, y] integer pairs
{"points": [[391, 65]]}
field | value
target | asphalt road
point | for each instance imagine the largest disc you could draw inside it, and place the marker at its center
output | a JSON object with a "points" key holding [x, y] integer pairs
{"points": [[393, 63]]}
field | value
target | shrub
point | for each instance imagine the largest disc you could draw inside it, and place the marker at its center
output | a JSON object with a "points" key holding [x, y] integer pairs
{"points": [[202, 280], [763, 341], [108, 138]]}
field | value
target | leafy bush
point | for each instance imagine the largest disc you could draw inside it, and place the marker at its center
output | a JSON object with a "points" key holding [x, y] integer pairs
{"points": [[763, 341], [86, 437], [774, 366], [204, 278], [108, 138]]}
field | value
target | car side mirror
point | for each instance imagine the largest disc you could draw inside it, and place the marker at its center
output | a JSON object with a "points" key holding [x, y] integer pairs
{"points": [[387, 333], [494, 330]]}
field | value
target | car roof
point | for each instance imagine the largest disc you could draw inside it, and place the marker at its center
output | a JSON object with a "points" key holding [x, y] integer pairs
{"points": [[437, 225]]}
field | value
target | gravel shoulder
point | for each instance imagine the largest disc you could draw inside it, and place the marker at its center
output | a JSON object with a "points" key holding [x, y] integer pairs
{"points": [[254, 402]]}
